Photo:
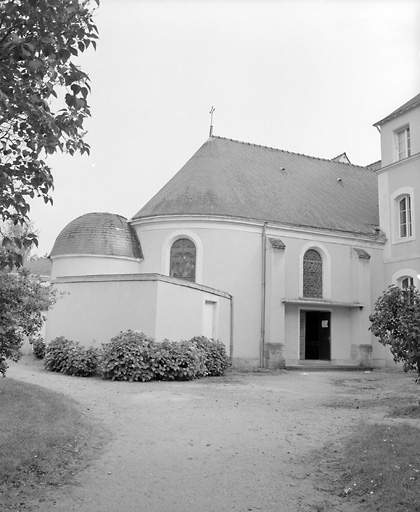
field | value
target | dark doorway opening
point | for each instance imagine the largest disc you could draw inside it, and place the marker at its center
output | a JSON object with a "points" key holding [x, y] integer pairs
{"points": [[317, 335]]}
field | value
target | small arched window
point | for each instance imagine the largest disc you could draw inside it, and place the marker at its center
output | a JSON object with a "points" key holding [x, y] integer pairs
{"points": [[406, 282], [183, 255], [312, 274]]}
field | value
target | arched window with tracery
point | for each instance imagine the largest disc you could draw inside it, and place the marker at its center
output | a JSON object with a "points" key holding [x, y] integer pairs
{"points": [[183, 255], [312, 274]]}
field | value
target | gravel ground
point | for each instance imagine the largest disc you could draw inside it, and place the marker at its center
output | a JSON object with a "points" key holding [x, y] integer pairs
{"points": [[243, 442]]}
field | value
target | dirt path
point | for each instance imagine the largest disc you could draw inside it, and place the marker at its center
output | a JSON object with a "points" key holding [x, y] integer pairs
{"points": [[234, 443]]}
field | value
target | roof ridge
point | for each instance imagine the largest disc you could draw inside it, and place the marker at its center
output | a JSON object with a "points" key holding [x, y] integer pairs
{"points": [[284, 151], [338, 156]]}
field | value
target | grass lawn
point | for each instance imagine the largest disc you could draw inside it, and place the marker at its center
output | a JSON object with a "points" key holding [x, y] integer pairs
{"points": [[377, 468], [43, 439], [382, 467]]}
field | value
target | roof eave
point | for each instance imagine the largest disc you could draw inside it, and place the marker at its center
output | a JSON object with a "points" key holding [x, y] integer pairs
{"points": [[398, 112], [378, 236]]}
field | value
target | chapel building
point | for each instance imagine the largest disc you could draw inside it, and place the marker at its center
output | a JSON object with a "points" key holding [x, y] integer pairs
{"points": [[279, 255]]}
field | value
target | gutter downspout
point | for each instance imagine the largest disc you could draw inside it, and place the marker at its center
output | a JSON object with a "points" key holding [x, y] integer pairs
{"points": [[263, 287], [231, 329]]}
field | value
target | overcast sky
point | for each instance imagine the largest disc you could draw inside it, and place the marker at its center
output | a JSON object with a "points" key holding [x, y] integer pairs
{"points": [[308, 76]]}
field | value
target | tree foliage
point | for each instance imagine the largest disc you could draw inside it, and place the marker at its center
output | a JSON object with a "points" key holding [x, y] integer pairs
{"points": [[43, 95], [16, 242], [396, 322], [24, 299]]}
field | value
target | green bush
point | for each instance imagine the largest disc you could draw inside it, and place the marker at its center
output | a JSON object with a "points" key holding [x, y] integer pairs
{"points": [[127, 357], [396, 322], [24, 298], [215, 355], [182, 360], [38, 347], [133, 356], [68, 357], [3, 366]]}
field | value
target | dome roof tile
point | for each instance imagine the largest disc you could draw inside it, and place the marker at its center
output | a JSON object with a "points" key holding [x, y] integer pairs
{"points": [[104, 234]]}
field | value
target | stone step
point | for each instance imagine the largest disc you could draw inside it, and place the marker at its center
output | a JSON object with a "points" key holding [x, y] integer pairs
{"points": [[327, 367]]}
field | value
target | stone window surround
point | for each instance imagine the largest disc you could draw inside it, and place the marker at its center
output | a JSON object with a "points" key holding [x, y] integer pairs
{"points": [[395, 200]]}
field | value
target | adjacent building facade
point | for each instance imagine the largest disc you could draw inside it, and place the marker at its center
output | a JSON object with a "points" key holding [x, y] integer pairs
{"points": [[279, 255], [399, 193]]}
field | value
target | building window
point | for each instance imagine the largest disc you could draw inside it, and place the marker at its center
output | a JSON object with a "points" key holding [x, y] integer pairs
{"points": [[312, 274], [406, 282], [406, 228], [183, 255], [403, 143]]}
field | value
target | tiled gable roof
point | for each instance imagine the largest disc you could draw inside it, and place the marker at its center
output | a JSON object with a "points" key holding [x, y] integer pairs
{"points": [[241, 180], [343, 158], [374, 166], [414, 102], [104, 234]]}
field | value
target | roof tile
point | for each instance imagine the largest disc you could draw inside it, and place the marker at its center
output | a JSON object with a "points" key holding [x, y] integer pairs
{"points": [[104, 234], [241, 180]]}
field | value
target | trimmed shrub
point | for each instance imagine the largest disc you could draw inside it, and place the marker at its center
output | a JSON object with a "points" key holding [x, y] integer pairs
{"points": [[56, 354], [68, 357], [132, 356], [127, 357], [215, 356], [182, 360], [38, 347]]}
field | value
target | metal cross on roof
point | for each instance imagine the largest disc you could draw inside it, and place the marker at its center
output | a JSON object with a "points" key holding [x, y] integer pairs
{"points": [[211, 120]]}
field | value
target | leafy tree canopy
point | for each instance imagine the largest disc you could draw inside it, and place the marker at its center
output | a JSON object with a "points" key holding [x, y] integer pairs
{"points": [[16, 242], [43, 97], [24, 299], [396, 322]]}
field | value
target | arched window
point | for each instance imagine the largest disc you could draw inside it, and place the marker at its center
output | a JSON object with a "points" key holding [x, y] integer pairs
{"points": [[183, 254], [406, 228], [406, 282], [312, 274]]}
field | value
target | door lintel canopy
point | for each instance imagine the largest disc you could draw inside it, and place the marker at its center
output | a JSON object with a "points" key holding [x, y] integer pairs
{"points": [[319, 302]]}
